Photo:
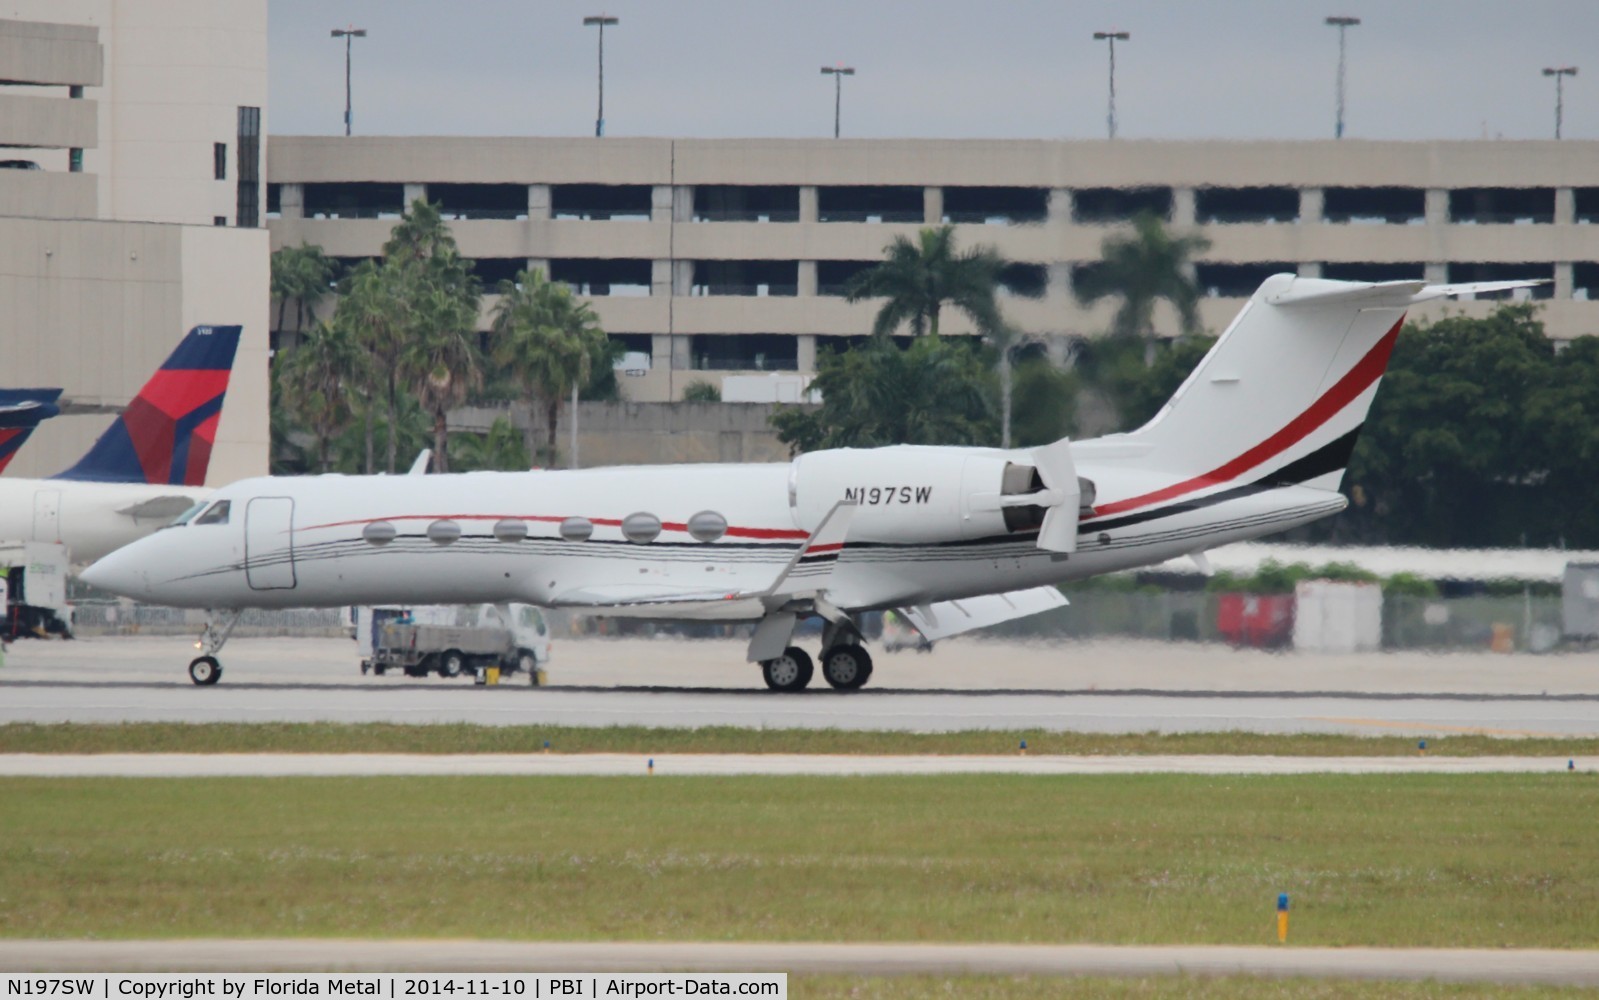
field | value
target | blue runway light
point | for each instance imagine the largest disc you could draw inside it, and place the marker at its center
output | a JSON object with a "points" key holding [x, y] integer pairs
{"points": [[1282, 902]]}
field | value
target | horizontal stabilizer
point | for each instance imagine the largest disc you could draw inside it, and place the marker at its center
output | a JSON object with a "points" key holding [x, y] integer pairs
{"points": [[158, 508], [947, 618], [1320, 292]]}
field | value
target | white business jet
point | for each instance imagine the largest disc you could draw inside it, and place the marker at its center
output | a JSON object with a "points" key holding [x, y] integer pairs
{"points": [[148, 466], [1255, 441]]}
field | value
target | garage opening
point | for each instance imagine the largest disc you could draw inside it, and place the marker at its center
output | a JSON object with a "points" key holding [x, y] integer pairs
{"points": [[1246, 204], [870, 204], [601, 202], [1394, 206], [746, 203]]}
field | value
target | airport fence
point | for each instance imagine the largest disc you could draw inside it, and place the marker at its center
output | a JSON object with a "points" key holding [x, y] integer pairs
{"points": [[1521, 623], [94, 619]]}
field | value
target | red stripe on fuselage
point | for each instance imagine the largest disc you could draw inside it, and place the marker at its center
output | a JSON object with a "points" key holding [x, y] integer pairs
{"points": [[1356, 381]]}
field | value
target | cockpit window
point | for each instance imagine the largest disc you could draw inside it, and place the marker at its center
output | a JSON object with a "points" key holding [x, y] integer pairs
{"points": [[216, 514], [186, 516]]}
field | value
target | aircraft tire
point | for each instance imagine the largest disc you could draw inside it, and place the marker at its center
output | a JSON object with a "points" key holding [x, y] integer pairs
{"points": [[205, 670], [790, 672], [380, 669], [451, 663], [846, 667]]}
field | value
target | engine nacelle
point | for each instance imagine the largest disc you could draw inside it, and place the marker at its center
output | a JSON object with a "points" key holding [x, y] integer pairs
{"points": [[917, 494]]}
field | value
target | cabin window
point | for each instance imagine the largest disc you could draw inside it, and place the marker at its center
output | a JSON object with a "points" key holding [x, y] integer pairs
{"points": [[217, 514]]}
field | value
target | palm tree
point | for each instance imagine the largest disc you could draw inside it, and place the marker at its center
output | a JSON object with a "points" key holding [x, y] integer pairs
{"points": [[1142, 267], [370, 311], [549, 341], [501, 448], [316, 380], [439, 361], [304, 274], [918, 278]]}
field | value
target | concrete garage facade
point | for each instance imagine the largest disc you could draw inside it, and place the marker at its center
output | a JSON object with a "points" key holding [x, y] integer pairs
{"points": [[724, 256], [132, 209]]}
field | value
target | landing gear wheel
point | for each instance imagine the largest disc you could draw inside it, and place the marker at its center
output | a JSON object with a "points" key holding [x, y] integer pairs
{"points": [[790, 672], [205, 670], [451, 664], [846, 667]]}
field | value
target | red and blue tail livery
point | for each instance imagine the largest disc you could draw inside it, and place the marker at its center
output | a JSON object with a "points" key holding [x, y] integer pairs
{"points": [[165, 435], [21, 410]]}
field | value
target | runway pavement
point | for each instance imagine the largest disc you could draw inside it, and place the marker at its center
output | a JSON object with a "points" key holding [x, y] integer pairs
{"points": [[177, 765], [1543, 966], [1091, 687]]}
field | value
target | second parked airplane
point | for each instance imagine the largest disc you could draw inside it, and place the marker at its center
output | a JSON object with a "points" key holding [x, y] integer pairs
{"points": [[147, 468]]}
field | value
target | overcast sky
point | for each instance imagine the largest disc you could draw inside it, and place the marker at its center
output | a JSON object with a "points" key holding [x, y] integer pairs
{"points": [[1234, 69]]}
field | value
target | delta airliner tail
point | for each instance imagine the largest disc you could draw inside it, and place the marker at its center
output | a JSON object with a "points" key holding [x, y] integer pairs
{"points": [[165, 435], [22, 410]]}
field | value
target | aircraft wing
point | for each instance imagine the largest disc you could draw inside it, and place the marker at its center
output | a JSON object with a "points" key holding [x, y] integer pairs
{"points": [[165, 507], [947, 618]]}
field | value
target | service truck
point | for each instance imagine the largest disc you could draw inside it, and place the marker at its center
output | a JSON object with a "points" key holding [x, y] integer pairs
{"points": [[451, 641], [33, 591]]}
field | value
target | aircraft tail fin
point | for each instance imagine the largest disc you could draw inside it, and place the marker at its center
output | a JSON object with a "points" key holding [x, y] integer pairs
{"points": [[21, 411], [166, 433], [1284, 392]]}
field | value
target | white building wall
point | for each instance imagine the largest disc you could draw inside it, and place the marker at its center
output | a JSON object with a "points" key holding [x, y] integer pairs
{"points": [[176, 72]]}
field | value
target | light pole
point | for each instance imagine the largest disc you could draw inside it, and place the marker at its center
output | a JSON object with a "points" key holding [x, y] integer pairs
{"points": [[1343, 24], [838, 74], [1559, 73], [1112, 37], [601, 20], [348, 33]]}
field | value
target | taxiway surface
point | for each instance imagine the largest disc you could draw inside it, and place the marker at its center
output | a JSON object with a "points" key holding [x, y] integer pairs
{"points": [[963, 685], [1497, 965]]}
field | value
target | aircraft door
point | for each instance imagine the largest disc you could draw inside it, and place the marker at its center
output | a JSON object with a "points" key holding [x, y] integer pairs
{"points": [[47, 516], [269, 543]]}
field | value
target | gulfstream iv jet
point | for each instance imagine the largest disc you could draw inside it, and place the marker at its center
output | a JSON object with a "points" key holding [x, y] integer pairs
{"points": [[1255, 441]]}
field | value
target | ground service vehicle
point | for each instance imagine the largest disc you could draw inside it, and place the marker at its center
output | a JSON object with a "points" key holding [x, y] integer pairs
{"points": [[514, 639], [33, 591]]}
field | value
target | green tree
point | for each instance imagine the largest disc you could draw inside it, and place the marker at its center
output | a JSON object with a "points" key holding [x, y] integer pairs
{"points": [[1454, 451], [548, 340], [1045, 403], [934, 391], [1141, 268], [701, 391], [501, 449], [315, 383], [919, 278], [436, 359], [371, 310], [303, 275]]}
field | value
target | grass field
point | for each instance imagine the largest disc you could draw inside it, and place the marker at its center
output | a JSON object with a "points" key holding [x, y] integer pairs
{"points": [[384, 738], [1478, 860], [1153, 988]]}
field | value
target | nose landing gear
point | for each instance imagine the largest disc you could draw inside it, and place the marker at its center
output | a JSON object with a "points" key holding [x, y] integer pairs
{"points": [[205, 669]]}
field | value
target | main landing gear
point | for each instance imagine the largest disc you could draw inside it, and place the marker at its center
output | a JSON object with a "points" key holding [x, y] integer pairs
{"points": [[845, 663], [205, 669]]}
